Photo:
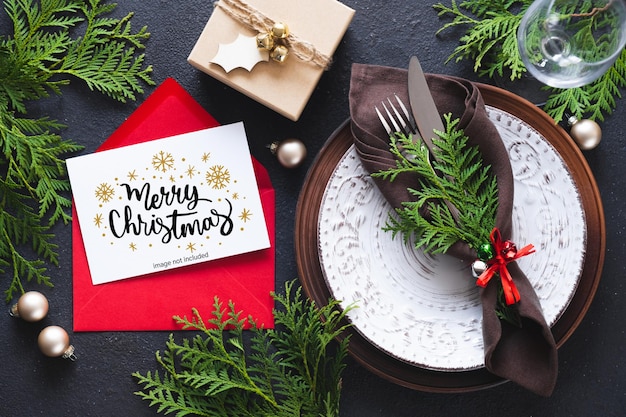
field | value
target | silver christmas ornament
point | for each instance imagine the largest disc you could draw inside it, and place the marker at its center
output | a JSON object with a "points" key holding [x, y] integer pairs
{"points": [[478, 267], [586, 133], [31, 306], [290, 152], [55, 342]]}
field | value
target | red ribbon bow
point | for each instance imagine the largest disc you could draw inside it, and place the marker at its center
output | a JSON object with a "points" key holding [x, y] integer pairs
{"points": [[505, 252]]}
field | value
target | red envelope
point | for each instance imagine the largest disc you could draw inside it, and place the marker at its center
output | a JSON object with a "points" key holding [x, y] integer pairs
{"points": [[149, 302]]}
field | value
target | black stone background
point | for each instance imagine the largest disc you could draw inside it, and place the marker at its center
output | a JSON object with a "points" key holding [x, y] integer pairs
{"points": [[592, 363]]}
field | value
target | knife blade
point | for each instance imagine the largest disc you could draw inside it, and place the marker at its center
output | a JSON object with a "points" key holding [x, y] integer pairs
{"points": [[426, 115], [423, 106]]}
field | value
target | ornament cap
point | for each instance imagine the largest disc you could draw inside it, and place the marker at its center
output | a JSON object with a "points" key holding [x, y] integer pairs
{"points": [[571, 120], [13, 311], [69, 353]]}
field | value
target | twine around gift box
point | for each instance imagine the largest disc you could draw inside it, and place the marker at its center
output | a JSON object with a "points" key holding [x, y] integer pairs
{"points": [[255, 20]]}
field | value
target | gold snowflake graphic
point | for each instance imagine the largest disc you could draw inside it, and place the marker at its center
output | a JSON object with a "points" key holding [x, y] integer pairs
{"points": [[191, 171], [172, 178], [206, 156], [104, 192], [218, 177], [163, 161], [235, 196], [191, 247], [132, 246], [97, 220], [245, 215], [132, 175]]}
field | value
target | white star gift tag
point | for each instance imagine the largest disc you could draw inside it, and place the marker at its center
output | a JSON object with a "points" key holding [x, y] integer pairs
{"points": [[242, 53]]}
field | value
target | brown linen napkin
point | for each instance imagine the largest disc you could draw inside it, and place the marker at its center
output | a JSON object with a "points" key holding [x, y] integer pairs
{"points": [[525, 355]]}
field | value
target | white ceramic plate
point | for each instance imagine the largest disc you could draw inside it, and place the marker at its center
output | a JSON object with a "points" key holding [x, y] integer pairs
{"points": [[425, 310]]}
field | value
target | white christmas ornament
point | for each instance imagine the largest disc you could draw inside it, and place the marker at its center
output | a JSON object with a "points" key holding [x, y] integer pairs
{"points": [[54, 342], [32, 306]]}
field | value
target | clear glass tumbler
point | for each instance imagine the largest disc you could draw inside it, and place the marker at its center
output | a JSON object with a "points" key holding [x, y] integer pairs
{"points": [[569, 43]]}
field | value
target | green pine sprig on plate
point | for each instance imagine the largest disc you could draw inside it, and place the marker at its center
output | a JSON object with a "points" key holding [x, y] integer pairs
{"points": [[53, 42], [490, 41], [456, 196], [292, 370], [456, 174]]}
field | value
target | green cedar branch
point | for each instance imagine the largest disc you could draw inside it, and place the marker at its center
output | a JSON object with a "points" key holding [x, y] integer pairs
{"points": [[53, 42], [490, 41], [292, 370], [455, 174]]}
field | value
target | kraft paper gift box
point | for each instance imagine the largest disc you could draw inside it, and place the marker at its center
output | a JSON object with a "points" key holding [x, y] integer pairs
{"points": [[283, 87]]}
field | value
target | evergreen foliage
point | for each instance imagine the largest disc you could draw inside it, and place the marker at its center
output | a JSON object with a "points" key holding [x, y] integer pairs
{"points": [[453, 179], [456, 174], [53, 42], [490, 41], [293, 370]]}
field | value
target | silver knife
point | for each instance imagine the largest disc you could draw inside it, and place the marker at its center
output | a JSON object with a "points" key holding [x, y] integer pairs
{"points": [[422, 104], [426, 114]]}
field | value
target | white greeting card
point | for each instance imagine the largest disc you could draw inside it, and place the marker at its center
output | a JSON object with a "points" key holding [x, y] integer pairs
{"points": [[168, 203]]}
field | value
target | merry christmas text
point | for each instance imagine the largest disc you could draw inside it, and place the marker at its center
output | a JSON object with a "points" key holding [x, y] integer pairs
{"points": [[190, 214]]}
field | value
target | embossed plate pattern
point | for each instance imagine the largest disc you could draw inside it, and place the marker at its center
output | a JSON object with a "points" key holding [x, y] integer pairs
{"points": [[402, 366], [425, 309]]}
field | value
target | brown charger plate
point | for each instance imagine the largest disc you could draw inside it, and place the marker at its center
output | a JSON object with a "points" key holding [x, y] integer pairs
{"points": [[400, 372]]}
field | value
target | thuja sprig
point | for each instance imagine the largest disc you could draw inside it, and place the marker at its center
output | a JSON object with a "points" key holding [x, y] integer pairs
{"points": [[456, 174], [53, 42], [490, 37], [490, 41], [293, 370]]}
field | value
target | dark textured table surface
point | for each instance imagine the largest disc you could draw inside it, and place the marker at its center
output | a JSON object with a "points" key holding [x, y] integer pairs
{"points": [[592, 363]]}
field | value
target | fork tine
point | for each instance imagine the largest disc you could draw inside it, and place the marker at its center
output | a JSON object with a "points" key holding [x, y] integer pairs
{"points": [[409, 117], [383, 121], [401, 120], [393, 121], [391, 118]]}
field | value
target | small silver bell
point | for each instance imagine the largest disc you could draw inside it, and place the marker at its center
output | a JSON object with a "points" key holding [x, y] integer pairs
{"points": [[478, 267]]}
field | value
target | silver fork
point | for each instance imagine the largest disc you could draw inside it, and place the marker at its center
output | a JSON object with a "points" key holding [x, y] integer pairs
{"points": [[395, 122]]}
